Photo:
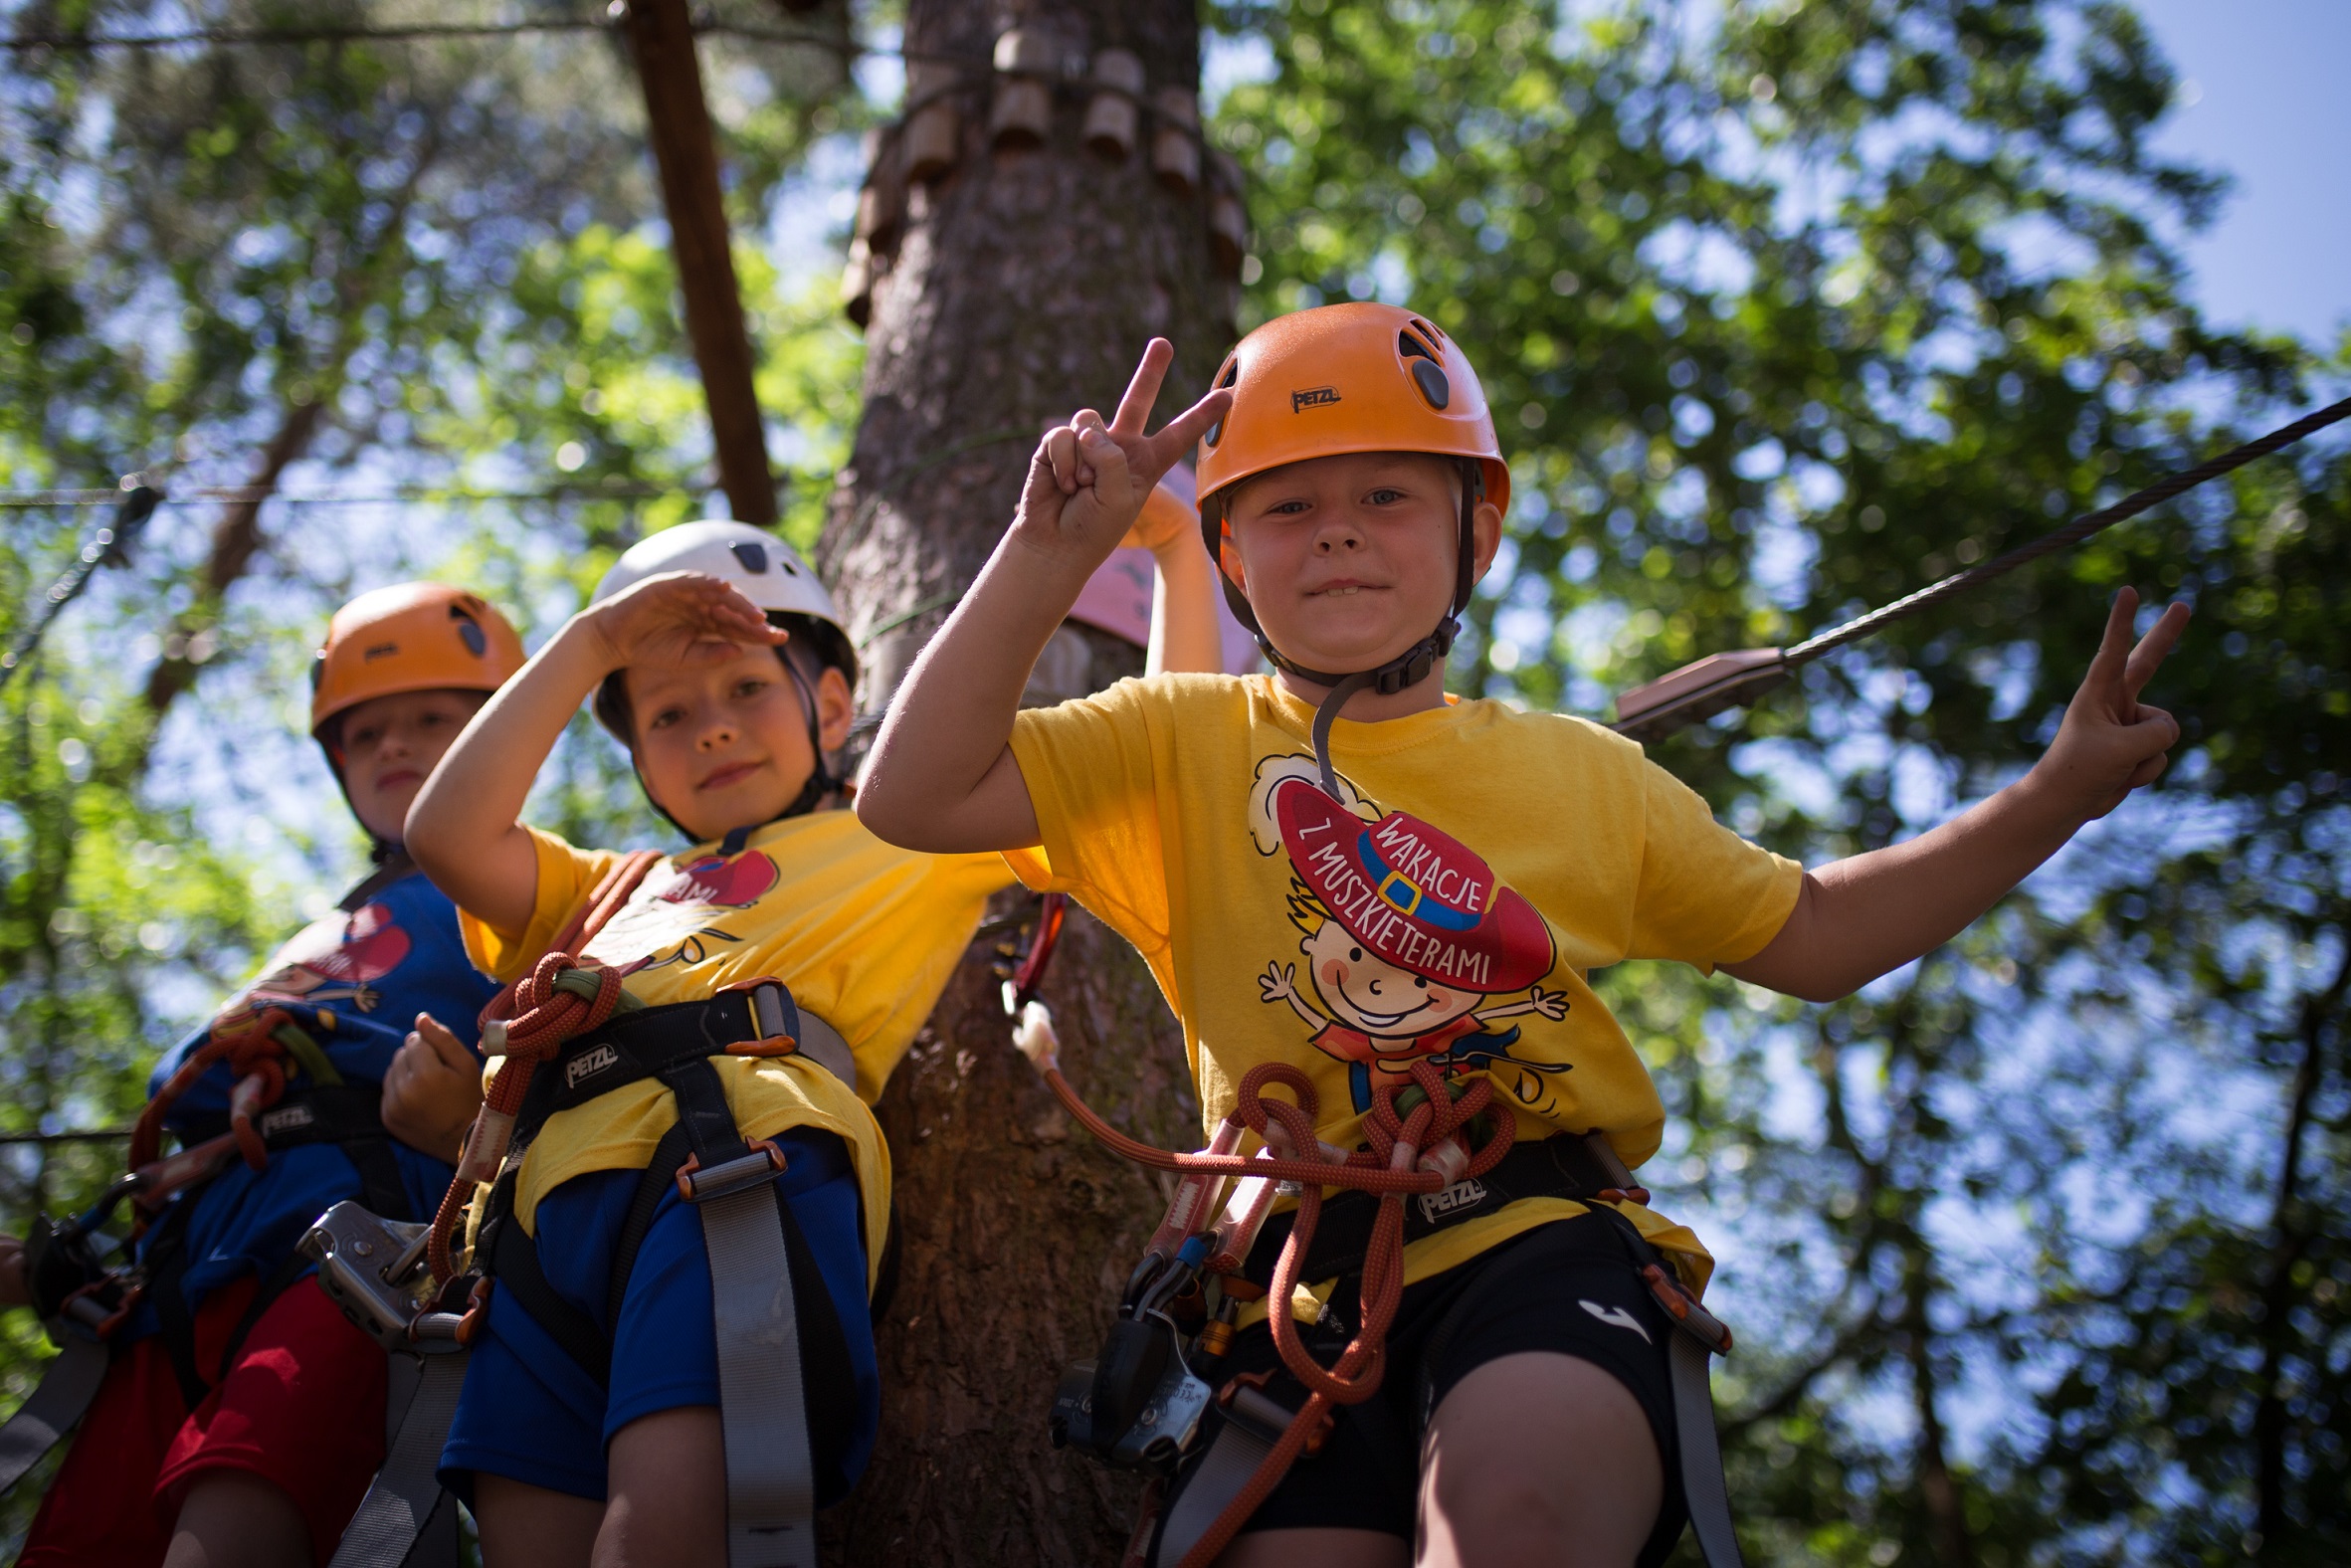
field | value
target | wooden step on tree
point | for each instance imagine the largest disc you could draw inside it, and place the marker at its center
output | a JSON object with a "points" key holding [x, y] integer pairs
{"points": [[1045, 208]]}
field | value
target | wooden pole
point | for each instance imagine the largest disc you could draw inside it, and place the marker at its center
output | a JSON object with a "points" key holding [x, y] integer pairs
{"points": [[679, 122]]}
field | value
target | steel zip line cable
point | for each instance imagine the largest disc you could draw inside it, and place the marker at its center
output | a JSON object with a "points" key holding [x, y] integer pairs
{"points": [[1721, 681]]}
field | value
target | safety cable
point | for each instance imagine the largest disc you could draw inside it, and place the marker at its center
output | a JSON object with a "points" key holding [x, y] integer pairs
{"points": [[108, 546], [704, 25], [232, 495], [1721, 681]]}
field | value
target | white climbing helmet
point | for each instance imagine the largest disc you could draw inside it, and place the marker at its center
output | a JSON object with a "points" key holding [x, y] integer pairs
{"points": [[771, 573]]}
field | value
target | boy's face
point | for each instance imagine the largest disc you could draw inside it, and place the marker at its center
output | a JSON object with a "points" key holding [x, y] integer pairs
{"points": [[1374, 997], [388, 747], [1349, 560], [725, 745]]}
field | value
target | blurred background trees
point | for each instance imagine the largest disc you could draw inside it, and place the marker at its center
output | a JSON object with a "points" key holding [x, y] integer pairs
{"points": [[2038, 1248]]}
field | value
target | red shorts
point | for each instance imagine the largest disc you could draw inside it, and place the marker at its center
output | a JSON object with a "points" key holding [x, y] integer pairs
{"points": [[301, 1407]]}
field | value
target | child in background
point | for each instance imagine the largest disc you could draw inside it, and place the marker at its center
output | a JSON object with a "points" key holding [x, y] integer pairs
{"points": [[1449, 864], [242, 1416], [592, 1422]]}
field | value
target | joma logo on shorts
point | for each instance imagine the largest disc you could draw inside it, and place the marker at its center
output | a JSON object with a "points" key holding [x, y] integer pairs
{"points": [[1314, 397], [1467, 1193], [588, 1065], [291, 1116]]}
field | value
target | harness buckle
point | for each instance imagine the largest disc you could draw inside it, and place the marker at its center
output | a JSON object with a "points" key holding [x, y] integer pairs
{"points": [[774, 1014], [762, 1163], [1243, 1399], [1684, 1308]]}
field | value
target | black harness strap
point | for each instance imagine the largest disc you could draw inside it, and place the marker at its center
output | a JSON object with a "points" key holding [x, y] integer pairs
{"points": [[1563, 1165]]}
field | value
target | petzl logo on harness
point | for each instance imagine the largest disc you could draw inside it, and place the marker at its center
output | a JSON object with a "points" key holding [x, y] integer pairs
{"points": [[588, 1063], [1468, 1193], [289, 1117], [1314, 397]]}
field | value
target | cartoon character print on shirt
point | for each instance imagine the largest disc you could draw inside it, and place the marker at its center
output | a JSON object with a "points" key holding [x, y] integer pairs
{"points": [[1407, 931], [671, 919], [335, 959]]}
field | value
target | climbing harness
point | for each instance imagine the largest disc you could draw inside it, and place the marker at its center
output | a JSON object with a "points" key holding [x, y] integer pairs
{"points": [[1140, 1404], [784, 1398], [85, 1284], [1721, 681]]}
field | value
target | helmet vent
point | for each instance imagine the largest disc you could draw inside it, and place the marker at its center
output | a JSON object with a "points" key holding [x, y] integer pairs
{"points": [[1216, 431], [1412, 347], [754, 556], [1432, 383], [1434, 335], [471, 635]]}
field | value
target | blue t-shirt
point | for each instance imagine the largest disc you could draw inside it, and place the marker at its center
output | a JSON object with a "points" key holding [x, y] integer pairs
{"points": [[356, 980]]}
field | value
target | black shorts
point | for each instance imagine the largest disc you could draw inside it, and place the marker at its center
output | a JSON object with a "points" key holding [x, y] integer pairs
{"points": [[1569, 1287]]}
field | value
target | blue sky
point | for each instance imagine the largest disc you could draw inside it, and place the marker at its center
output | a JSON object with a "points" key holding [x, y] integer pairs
{"points": [[2267, 105]]}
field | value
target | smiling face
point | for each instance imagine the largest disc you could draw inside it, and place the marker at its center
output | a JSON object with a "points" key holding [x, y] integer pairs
{"points": [[1349, 560], [725, 745], [1368, 994], [387, 746]]}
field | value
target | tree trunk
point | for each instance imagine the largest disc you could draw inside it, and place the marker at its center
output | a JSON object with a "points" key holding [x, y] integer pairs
{"points": [[1016, 286]]}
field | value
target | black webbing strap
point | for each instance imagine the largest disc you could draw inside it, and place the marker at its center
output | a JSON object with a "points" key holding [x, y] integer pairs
{"points": [[67, 1384], [510, 1257], [634, 1046], [175, 1322], [1564, 1165]]}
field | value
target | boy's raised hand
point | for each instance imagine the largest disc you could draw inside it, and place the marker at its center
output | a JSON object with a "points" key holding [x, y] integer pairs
{"points": [[2110, 742], [1088, 480], [678, 618]]}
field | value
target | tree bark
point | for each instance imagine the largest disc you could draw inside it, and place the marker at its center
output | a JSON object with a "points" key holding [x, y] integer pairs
{"points": [[1024, 284]]}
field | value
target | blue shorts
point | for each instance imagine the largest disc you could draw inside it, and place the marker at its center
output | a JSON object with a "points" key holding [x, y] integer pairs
{"points": [[530, 1413]]}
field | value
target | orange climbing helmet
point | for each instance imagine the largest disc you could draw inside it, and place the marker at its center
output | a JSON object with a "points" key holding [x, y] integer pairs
{"points": [[1340, 378], [414, 637], [1346, 379]]}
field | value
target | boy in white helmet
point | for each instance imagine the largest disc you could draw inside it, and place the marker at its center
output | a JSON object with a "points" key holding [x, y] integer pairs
{"points": [[593, 1419], [1449, 864]]}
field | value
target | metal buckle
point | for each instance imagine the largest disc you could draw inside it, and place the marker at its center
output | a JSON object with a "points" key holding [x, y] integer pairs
{"points": [[773, 1014], [696, 1185], [1243, 1399], [369, 1266]]}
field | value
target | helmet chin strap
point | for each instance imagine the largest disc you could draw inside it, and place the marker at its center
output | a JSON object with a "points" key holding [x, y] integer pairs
{"points": [[1407, 668]]}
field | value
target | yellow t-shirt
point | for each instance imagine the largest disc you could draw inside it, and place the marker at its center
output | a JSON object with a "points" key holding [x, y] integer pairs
{"points": [[865, 935], [1453, 905]]}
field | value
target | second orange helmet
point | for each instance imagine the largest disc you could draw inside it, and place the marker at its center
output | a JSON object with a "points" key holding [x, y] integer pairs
{"points": [[413, 636]]}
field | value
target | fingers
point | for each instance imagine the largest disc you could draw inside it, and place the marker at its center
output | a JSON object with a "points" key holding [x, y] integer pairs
{"points": [[1182, 433], [2113, 654], [2154, 648], [449, 1050], [709, 603], [1134, 409], [1105, 461]]}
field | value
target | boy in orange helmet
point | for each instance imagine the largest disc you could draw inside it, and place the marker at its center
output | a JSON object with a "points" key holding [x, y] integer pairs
{"points": [[1441, 855], [241, 1418]]}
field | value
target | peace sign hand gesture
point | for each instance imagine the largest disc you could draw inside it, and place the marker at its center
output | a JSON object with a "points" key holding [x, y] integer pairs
{"points": [[1089, 479], [2110, 742]]}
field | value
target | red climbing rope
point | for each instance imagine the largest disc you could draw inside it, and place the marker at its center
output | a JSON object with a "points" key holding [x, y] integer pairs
{"points": [[522, 1025], [249, 1044], [1418, 1131]]}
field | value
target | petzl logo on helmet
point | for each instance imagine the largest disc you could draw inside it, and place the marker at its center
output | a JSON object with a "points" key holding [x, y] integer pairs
{"points": [[1414, 896], [1314, 397]]}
